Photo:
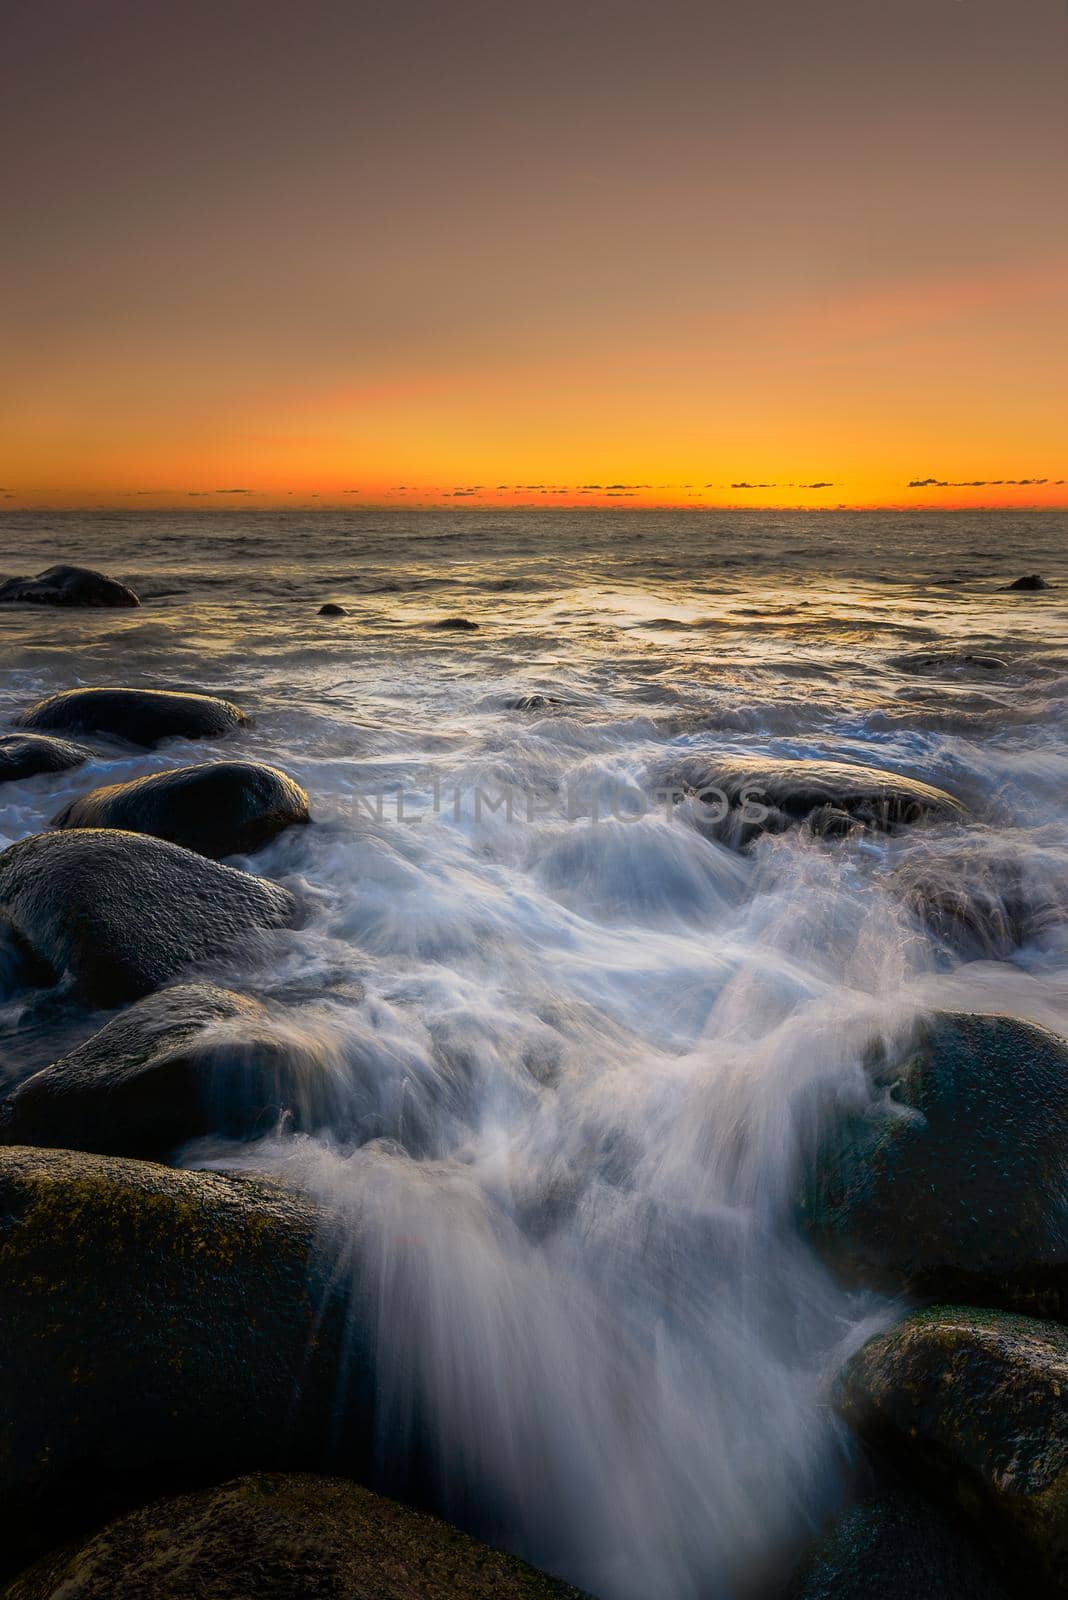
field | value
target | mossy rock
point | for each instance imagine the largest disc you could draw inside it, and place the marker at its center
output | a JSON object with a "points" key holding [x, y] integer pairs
{"points": [[120, 914], [139, 716], [278, 1537], [181, 1064], [954, 1186], [160, 1329], [972, 1403], [221, 808], [894, 1547]]}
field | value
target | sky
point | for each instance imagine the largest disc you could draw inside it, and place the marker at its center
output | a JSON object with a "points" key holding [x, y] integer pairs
{"points": [[601, 252]]}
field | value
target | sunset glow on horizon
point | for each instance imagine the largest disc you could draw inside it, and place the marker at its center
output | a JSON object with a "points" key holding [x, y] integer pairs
{"points": [[774, 255]]}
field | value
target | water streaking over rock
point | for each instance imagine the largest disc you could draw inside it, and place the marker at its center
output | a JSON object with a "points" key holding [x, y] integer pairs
{"points": [[581, 1046]]}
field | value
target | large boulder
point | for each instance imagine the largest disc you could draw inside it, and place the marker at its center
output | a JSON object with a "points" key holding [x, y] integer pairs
{"points": [[24, 755], [223, 808], [181, 1064], [120, 914], [160, 1329], [953, 1185], [893, 1547], [140, 716], [67, 586], [740, 797], [284, 1537], [972, 1404], [1029, 584]]}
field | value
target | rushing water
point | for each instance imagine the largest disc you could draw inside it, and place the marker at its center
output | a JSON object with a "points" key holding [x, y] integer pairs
{"points": [[577, 1053]]}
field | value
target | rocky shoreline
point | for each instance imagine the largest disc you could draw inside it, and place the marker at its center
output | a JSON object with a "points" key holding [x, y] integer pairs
{"points": [[172, 1337]]}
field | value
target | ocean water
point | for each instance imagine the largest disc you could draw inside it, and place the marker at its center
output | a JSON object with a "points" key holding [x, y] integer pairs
{"points": [[569, 1056]]}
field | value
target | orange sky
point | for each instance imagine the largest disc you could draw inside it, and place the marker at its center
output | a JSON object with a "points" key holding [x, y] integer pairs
{"points": [[596, 253]]}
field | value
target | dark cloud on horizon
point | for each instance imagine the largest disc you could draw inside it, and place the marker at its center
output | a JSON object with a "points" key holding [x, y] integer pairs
{"points": [[747, 486], [979, 483]]}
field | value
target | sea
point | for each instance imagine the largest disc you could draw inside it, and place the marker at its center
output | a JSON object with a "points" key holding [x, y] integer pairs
{"points": [[581, 1052]]}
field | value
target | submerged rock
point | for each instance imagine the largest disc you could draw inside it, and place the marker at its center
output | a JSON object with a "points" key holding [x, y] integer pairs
{"points": [[1029, 584], [895, 1547], [164, 1072], [23, 755], [744, 796], [160, 1328], [222, 808], [284, 1537], [972, 1403], [536, 702], [954, 1185], [67, 586], [119, 914], [982, 904], [456, 624], [933, 661], [140, 716], [332, 610]]}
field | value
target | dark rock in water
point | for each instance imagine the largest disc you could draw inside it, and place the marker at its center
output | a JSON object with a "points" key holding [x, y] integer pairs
{"points": [[983, 905], [67, 586], [954, 1186], [161, 1329], [536, 702], [932, 661], [23, 755], [140, 716], [745, 796], [1029, 585], [895, 1547], [456, 624], [285, 1537], [161, 1074], [971, 1403], [223, 808], [120, 914], [332, 610]]}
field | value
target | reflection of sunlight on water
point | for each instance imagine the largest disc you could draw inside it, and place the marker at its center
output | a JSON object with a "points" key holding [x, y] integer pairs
{"points": [[593, 1057]]}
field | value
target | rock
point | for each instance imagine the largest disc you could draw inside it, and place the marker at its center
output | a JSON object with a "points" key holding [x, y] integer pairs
{"points": [[161, 1329], [332, 610], [456, 624], [982, 901], [745, 796], [222, 808], [536, 702], [933, 661], [23, 755], [140, 716], [164, 1072], [67, 586], [972, 1403], [119, 914], [954, 1186], [284, 1537], [1029, 585], [894, 1547]]}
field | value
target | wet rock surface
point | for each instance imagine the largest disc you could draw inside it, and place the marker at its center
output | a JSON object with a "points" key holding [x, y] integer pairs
{"points": [[160, 1328], [120, 914], [164, 1072], [67, 586], [24, 755], [140, 716], [954, 1184], [284, 1537], [971, 1402], [222, 808], [895, 1547]]}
